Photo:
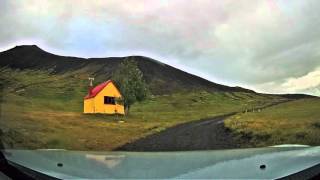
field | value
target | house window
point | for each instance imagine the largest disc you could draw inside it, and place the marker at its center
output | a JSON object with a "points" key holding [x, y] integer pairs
{"points": [[109, 100]]}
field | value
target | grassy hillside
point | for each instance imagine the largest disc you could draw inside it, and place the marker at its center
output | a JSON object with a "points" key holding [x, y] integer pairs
{"points": [[43, 98], [44, 110], [296, 122]]}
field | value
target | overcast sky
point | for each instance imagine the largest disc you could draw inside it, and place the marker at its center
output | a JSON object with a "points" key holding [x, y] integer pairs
{"points": [[267, 45]]}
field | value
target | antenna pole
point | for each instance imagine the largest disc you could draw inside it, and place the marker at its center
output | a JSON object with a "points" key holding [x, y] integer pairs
{"points": [[91, 79]]}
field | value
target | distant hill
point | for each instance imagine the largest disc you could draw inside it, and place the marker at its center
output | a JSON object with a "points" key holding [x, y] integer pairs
{"points": [[160, 77]]}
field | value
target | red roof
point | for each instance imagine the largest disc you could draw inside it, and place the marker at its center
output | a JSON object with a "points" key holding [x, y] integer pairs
{"points": [[93, 92]]}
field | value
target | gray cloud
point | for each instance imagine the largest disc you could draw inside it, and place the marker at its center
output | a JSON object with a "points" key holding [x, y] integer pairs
{"points": [[257, 44]]}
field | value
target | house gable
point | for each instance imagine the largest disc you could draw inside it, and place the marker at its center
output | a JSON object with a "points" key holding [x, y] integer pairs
{"points": [[107, 88]]}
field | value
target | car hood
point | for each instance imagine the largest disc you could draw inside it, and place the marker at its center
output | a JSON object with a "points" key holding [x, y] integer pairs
{"points": [[253, 163]]}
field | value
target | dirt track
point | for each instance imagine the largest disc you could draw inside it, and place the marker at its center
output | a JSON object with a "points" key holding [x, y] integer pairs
{"points": [[197, 135], [208, 134]]}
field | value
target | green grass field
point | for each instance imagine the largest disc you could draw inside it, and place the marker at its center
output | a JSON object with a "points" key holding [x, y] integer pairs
{"points": [[295, 122], [42, 110]]}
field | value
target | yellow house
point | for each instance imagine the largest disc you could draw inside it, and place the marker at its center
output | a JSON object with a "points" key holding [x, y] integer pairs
{"points": [[103, 99]]}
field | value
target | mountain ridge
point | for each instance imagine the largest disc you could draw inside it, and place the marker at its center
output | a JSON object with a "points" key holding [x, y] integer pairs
{"points": [[156, 73]]}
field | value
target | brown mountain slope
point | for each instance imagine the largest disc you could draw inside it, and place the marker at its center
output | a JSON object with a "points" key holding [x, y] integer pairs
{"points": [[161, 78]]}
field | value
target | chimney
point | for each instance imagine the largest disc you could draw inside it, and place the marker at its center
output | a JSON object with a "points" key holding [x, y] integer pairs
{"points": [[90, 90]]}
